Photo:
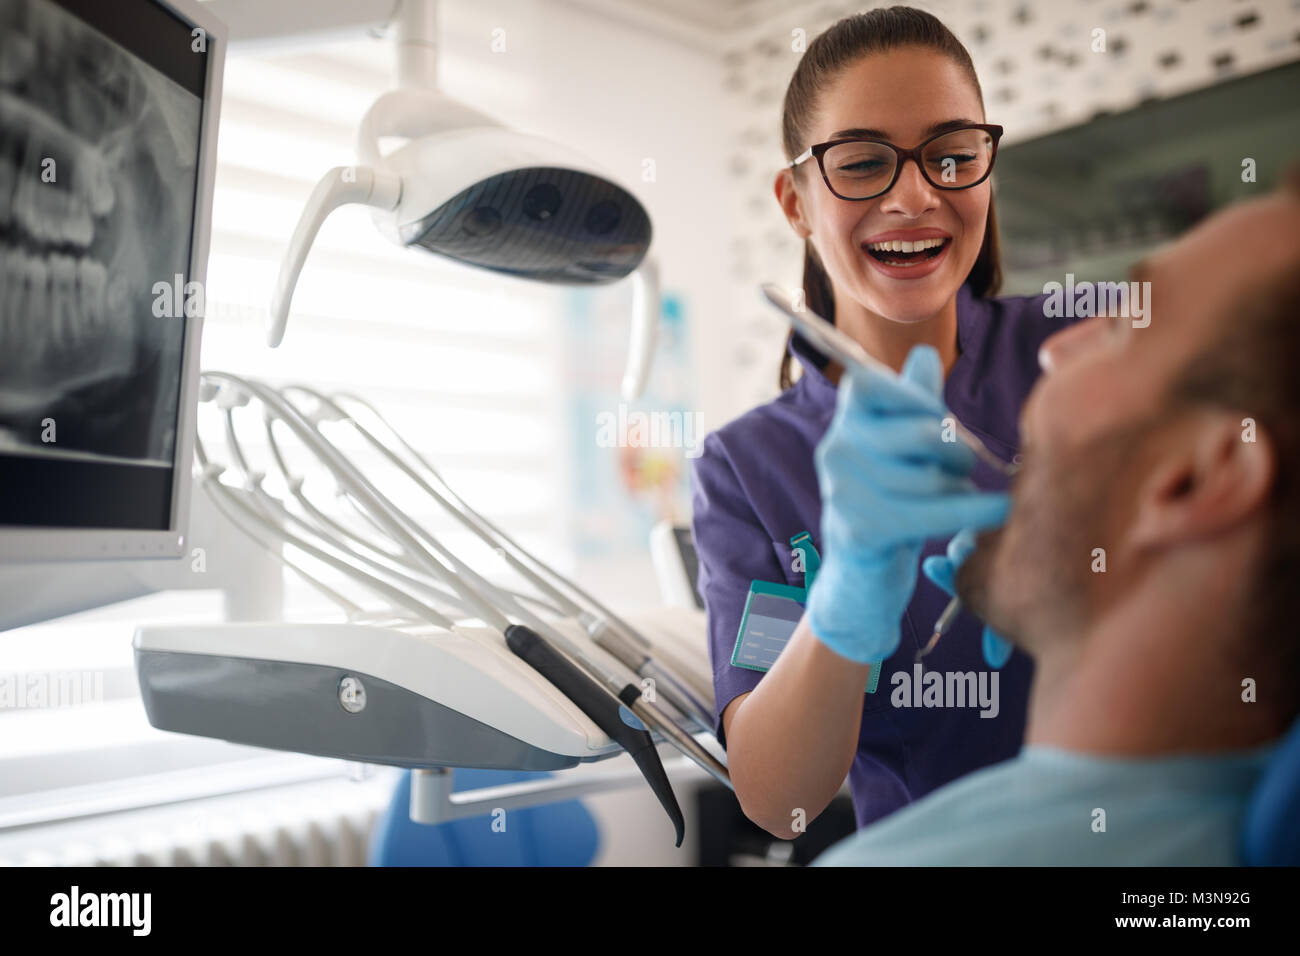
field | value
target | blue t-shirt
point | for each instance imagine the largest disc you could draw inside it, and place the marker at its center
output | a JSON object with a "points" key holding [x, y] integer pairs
{"points": [[1052, 807], [755, 487]]}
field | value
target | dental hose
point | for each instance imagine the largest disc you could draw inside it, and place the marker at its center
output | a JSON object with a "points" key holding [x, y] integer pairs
{"points": [[463, 579], [604, 627]]}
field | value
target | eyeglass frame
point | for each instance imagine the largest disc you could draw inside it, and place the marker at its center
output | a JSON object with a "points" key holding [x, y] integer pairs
{"points": [[903, 155]]}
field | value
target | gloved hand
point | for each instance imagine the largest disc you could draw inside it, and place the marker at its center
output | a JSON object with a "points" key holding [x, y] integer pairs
{"points": [[942, 570], [888, 482]]}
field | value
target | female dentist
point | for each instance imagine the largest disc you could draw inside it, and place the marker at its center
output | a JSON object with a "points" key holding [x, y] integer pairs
{"points": [[888, 76]]}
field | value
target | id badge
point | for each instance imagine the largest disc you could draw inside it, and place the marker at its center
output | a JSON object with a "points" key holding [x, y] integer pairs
{"points": [[772, 612]]}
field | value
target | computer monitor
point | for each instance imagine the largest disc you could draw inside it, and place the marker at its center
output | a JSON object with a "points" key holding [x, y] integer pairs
{"points": [[108, 121]]}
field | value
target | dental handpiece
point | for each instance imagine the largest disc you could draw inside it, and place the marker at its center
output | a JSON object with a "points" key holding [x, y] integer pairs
{"points": [[944, 623], [941, 626]]}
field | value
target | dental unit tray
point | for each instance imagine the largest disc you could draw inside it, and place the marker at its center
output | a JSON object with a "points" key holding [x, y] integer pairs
{"points": [[402, 694], [454, 669]]}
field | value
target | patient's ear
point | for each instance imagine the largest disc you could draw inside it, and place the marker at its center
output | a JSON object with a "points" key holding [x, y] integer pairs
{"points": [[1214, 475]]}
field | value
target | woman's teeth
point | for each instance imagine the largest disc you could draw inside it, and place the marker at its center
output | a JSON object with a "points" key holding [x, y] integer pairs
{"points": [[902, 245], [901, 252]]}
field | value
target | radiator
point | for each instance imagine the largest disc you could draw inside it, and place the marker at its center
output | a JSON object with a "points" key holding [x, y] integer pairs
{"points": [[319, 825]]}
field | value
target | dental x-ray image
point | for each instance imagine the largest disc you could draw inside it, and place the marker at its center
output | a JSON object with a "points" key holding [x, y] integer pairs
{"points": [[98, 164]]}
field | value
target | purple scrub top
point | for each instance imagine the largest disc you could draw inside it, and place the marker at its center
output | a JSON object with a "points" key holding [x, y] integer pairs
{"points": [[755, 487]]}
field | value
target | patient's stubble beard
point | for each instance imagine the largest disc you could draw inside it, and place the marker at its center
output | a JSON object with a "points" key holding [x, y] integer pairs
{"points": [[1032, 580]]}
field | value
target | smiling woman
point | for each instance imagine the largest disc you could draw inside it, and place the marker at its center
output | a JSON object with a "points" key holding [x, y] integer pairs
{"points": [[869, 63], [888, 181]]}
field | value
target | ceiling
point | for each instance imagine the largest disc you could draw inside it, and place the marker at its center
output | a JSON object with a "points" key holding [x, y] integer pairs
{"points": [[710, 26], [706, 24]]}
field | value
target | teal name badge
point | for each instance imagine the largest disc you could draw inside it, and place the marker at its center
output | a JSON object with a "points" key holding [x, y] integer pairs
{"points": [[773, 611]]}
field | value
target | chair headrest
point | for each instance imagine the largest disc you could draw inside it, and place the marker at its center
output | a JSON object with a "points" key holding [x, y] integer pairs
{"points": [[1270, 834]]}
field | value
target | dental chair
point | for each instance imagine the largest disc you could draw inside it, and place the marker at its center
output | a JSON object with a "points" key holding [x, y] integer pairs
{"points": [[554, 834], [1270, 835]]}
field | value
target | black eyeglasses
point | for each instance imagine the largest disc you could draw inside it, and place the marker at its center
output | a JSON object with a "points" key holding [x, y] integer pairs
{"points": [[857, 169]]}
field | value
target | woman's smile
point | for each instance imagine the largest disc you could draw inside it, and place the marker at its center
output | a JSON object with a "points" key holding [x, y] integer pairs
{"points": [[908, 253]]}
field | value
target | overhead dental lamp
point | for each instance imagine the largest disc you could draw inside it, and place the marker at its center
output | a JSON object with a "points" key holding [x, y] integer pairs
{"points": [[465, 187]]}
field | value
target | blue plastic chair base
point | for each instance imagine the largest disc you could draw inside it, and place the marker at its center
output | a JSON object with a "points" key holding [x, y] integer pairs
{"points": [[555, 834]]}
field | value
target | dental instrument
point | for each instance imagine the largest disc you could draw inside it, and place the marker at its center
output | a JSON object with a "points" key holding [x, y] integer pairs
{"points": [[835, 343], [328, 409], [422, 581], [669, 685], [941, 626], [604, 627]]}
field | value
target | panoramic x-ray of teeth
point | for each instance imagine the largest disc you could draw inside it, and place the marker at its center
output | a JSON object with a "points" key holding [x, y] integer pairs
{"points": [[98, 159]]}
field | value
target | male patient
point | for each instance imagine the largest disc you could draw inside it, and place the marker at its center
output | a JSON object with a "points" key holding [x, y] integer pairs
{"points": [[1163, 680]]}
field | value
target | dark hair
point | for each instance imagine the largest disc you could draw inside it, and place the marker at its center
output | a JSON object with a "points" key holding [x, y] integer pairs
{"points": [[1250, 367], [845, 42]]}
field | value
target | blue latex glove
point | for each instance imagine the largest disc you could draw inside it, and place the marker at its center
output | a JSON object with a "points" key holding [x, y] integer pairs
{"points": [[888, 483], [942, 570]]}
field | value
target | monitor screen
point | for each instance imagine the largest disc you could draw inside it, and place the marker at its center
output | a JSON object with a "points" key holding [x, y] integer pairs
{"points": [[101, 107]]}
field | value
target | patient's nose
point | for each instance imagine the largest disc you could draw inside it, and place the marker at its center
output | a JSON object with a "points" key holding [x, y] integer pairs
{"points": [[1059, 347]]}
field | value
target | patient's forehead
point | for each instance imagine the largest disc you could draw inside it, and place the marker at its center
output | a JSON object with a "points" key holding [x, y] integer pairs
{"points": [[1199, 281]]}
